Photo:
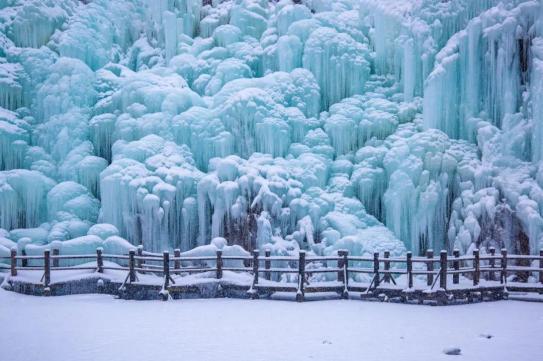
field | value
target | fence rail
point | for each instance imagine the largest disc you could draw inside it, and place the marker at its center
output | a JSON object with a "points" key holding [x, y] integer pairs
{"points": [[299, 270]]}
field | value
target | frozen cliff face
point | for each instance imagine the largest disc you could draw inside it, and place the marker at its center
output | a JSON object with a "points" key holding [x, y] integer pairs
{"points": [[364, 125]]}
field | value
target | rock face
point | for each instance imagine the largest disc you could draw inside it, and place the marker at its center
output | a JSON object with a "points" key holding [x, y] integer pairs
{"points": [[366, 125]]}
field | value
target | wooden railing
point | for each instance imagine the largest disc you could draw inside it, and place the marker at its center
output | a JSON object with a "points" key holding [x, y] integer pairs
{"points": [[382, 269]]}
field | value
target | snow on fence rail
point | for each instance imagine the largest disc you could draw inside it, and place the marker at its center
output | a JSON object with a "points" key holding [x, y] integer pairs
{"points": [[494, 268]]}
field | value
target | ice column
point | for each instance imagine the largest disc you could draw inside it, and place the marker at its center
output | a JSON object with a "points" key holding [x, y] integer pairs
{"points": [[338, 62], [537, 99]]}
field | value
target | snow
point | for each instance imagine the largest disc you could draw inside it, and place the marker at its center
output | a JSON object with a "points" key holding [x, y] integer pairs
{"points": [[326, 330]]}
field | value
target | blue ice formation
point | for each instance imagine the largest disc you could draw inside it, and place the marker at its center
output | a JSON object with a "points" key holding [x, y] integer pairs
{"points": [[365, 125]]}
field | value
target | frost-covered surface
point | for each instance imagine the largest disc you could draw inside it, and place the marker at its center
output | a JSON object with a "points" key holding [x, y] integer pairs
{"points": [[366, 125], [332, 330]]}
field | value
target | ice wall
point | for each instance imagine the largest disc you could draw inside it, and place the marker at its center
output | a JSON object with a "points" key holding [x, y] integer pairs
{"points": [[99, 32], [338, 63], [536, 84], [296, 200], [406, 35], [484, 89], [14, 137], [482, 71], [329, 44], [10, 84], [408, 183], [318, 125], [148, 193], [31, 23], [23, 203]]}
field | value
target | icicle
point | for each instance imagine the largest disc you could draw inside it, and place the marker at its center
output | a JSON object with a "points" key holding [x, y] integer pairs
{"points": [[14, 140], [339, 63], [170, 34], [537, 100], [23, 202], [400, 208], [487, 52], [88, 173]]}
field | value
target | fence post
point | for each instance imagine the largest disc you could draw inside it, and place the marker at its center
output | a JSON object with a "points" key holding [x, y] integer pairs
{"points": [[166, 269], [24, 261], [99, 260], [340, 273], [255, 266], [503, 277], [443, 269], [46, 268], [409, 257], [56, 252], [139, 262], [476, 266], [13, 260], [301, 277], [541, 265], [267, 264], [430, 267], [456, 266], [132, 265], [177, 262], [387, 267], [491, 275], [346, 268], [219, 264], [376, 268]]}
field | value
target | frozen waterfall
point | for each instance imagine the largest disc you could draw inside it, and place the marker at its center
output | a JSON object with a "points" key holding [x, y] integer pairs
{"points": [[366, 125]]}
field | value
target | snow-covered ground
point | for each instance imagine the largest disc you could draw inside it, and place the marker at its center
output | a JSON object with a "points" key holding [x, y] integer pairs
{"points": [[96, 327]]}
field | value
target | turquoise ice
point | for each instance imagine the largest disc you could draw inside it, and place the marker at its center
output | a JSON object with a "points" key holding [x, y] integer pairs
{"points": [[366, 125]]}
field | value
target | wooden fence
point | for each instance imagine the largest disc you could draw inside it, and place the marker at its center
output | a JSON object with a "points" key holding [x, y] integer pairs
{"points": [[441, 273]]}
